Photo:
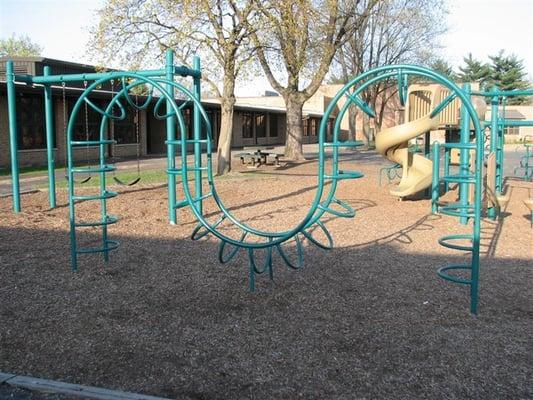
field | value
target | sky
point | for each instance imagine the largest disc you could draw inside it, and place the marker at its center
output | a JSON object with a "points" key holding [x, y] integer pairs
{"points": [[481, 27]]}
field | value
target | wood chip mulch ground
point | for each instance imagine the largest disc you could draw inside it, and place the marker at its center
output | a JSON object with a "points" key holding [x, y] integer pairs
{"points": [[369, 319]]}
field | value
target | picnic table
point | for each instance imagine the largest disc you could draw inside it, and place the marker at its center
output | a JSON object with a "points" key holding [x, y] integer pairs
{"points": [[257, 155]]}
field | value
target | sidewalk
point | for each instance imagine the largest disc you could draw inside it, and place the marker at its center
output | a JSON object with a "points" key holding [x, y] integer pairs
{"points": [[35, 181]]}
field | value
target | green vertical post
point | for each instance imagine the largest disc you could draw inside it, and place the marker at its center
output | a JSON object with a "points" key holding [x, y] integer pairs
{"points": [[71, 203], [435, 186], [464, 155], [446, 168], [197, 135], [13, 145], [494, 134], [500, 149], [476, 242], [49, 118], [171, 135]]}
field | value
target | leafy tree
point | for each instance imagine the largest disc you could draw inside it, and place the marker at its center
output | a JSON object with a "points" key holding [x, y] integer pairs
{"points": [[474, 70], [20, 46], [397, 31], [295, 47], [136, 32], [507, 73]]}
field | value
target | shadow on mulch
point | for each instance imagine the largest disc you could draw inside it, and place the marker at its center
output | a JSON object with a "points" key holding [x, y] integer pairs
{"points": [[164, 318]]}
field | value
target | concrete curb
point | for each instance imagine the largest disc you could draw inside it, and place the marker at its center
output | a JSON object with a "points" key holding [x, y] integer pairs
{"points": [[57, 387]]}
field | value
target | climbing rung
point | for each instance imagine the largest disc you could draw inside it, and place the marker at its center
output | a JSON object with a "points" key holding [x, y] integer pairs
{"points": [[457, 210], [185, 202], [110, 219], [345, 175], [444, 241], [178, 171], [92, 142], [106, 195], [110, 245], [349, 143], [179, 142], [464, 178], [442, 272], [91, 170], [459, 145]]}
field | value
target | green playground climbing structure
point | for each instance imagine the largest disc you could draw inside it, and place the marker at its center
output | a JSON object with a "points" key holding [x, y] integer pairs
{"points": [[162, 89]]}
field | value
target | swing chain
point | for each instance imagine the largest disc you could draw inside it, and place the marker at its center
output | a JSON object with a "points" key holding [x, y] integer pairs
{"points": [[137, 123], [87, 136]]}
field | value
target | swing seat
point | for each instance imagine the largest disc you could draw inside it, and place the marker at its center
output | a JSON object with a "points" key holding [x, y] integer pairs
{"points": [[80, 182], [122, 183]]}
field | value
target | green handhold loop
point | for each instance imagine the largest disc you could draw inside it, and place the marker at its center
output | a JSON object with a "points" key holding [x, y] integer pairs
{"points": [[232, 252], [156, 110], [126, 88], [309, 236], [108, 115], [267, 263], [300, 254], [349, 213], [206, 232]]}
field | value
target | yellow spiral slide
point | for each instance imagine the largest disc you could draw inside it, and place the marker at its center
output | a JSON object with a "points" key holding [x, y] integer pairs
{"points": [[392, 143]]}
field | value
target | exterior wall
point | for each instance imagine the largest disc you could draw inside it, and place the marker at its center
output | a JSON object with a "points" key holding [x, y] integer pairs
{"points": [[37, 157], [239, 141], [527, 112]]}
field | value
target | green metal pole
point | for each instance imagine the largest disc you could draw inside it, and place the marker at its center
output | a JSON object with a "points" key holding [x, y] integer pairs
{"points": [[499, 153], [446, 168], [494, 128], [464, 156], [435, 186], [13, 145], [197, 134], [49, 118], [94, 76], [171, 135]]}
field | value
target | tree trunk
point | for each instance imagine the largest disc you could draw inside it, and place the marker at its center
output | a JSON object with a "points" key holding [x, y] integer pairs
{"points": [[367, 132], [293, 140], [352, 117], [225, 138]]}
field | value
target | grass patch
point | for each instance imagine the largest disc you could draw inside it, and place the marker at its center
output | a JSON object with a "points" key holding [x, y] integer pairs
{"points": [[29, 171], [148, 177]]}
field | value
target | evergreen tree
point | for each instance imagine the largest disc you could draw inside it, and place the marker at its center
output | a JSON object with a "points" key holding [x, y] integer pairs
{"points": [[474, 70], [507, 73], [444, 68]]}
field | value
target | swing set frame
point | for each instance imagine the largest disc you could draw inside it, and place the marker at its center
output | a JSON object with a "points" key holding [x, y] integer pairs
{"points": [[169, 72]]}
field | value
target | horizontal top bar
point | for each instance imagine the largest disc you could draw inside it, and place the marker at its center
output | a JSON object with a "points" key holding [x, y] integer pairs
{"points": [[94, 76], [517, 122], [503, 93]]}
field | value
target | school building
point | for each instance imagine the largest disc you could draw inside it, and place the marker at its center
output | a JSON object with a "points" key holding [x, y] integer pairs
{"points": [[257, 120]]}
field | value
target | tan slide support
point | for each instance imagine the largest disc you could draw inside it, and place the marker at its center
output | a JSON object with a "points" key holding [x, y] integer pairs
{"points": [[393, 144]]}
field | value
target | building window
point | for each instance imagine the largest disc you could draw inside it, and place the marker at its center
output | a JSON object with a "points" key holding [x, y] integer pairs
{"points": [[306, 127], [30, 122], [312, 126], [87, 123], [125, 131], [511, 130], [247, 126], [214, 119], [273, 125], [260, 125]]}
